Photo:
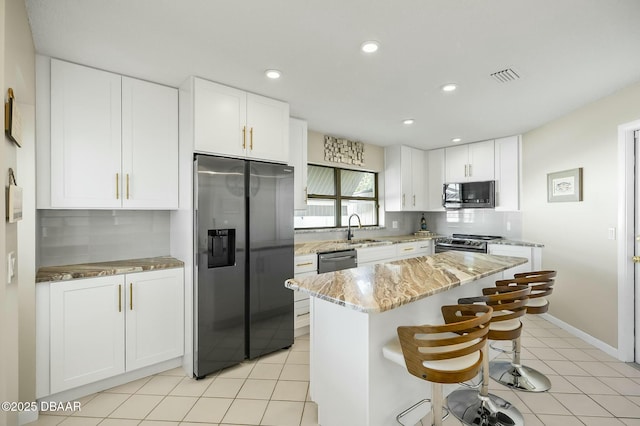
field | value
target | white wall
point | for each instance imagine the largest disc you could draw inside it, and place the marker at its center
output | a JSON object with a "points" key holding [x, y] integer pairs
{"points": [[17, 326], [373, 154], [575, 233]]}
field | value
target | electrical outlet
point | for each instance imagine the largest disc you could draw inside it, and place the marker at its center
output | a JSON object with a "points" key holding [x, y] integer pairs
{"points": [[394, 224], [508, 226]]}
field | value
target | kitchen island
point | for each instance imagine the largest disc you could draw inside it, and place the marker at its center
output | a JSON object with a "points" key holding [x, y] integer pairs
{"points": [[355, 312]]}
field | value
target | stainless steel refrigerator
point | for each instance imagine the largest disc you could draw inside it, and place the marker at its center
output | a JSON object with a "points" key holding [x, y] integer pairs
{"points": [[244, 253]]}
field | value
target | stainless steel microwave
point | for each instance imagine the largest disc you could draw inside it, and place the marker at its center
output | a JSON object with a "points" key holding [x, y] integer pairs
{"points": [[469, 195]]}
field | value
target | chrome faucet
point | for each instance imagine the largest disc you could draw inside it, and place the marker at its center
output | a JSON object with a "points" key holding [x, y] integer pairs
{"points": [[349, 234]]}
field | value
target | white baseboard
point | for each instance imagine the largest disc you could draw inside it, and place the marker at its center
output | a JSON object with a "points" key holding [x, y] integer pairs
{"points": [[606, 348]]}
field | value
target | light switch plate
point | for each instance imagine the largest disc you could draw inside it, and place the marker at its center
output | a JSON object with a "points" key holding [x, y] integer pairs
{"points": [[11, 264], [611, 232]]}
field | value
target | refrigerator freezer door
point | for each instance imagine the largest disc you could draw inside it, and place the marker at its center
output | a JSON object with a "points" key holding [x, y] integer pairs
{"points": [[270, 316], [220, 289]]}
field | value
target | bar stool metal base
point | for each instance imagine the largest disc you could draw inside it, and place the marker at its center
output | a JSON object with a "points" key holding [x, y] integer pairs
{"points": [[520, 378], [474, 410]]}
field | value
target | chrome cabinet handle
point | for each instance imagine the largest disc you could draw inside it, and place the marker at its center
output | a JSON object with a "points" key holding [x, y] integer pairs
{"points": [[470, 173], [117, 186]]}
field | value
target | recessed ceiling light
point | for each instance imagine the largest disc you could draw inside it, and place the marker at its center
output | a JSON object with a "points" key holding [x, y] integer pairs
{"points": [[369, 46], [408, 121], [449, 87], [456, 140], [273, 74]]}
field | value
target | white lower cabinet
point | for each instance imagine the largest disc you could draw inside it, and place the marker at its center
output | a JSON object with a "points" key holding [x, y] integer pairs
{"points": [[376, 254], [87, 331], [105, 326], [154, 318], [304, 265], [533, 254]]}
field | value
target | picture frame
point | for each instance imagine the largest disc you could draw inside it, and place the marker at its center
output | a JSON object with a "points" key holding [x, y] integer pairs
{"points": [[12, 119], [564, 186]]}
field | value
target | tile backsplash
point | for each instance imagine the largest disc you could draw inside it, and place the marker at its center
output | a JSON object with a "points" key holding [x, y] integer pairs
{"points": [[476, 221], [80, 236]]}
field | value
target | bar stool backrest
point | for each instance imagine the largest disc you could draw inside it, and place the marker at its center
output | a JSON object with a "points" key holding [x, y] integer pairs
{"points": [[464, 333], [509, 303], [541, 283]]}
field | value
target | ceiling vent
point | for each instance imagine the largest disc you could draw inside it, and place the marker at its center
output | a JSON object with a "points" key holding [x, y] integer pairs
{"points": [[505, 76]]}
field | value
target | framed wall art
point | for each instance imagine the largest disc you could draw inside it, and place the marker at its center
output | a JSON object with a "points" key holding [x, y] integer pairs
{"points": [[564, 186], [12, 119]]}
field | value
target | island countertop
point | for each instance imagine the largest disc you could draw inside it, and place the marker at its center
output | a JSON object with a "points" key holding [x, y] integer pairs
{"points": [[386, 286]]}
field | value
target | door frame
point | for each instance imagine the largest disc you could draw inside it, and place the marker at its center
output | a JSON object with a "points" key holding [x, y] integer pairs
{"points": [[626, 240]]}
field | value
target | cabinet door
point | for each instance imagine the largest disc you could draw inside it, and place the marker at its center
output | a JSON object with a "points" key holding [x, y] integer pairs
{"points": [[392, 179], [267, 129], [149, 145], [406, 178], [507, 168], [457, 163], [85, 137], [514, 251], [298, 159], [87, 331], [155, 319], [481, 161], [220, 115], [435, 179], [418, 180]]}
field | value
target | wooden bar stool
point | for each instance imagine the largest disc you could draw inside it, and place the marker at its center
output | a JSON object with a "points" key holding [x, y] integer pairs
{"points": [[449, 353], [541, 283], [482, 408], [512, 373]]}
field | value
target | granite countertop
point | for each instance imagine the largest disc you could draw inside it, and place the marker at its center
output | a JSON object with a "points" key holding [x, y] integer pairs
{"points": [[385, 286], [100, 269], [507, 242], [311, 247]]}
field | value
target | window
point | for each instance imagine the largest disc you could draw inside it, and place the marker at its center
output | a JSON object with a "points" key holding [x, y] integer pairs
{"points": [[335, 194]]}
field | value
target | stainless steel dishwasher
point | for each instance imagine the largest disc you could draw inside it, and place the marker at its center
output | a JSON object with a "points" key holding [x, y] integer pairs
{"points": [[337, 260]]}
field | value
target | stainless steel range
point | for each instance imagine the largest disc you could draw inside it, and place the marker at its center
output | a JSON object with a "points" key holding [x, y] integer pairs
{"points": [[464, 242]]}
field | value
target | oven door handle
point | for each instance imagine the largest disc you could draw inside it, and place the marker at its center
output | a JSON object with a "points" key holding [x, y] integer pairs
{"points": [[337, 259]]}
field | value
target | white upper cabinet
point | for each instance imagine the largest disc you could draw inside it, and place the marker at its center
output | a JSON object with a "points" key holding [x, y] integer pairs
{"points": [[405, 179], [85, 137], [232, 122], [298, 159], [114, 141], [472, 162], [220, 117], [435, 179], [149, 148], [507, 169]]}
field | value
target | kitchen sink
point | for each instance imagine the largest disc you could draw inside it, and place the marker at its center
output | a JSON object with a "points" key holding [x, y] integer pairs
{"points": [[362, 241]]}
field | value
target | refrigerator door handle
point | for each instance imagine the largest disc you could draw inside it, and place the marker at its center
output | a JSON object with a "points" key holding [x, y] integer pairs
{"points": [[195, 236]]}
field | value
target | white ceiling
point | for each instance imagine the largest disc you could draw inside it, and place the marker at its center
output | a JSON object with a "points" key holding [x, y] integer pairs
{"points": [[567, 53]]}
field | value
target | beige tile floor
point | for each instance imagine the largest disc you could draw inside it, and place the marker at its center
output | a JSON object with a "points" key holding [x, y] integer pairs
{"points": [[588, 388]]}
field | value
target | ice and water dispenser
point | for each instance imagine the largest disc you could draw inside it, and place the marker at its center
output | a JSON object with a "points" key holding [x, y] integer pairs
{"points": [[221, 248]]}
